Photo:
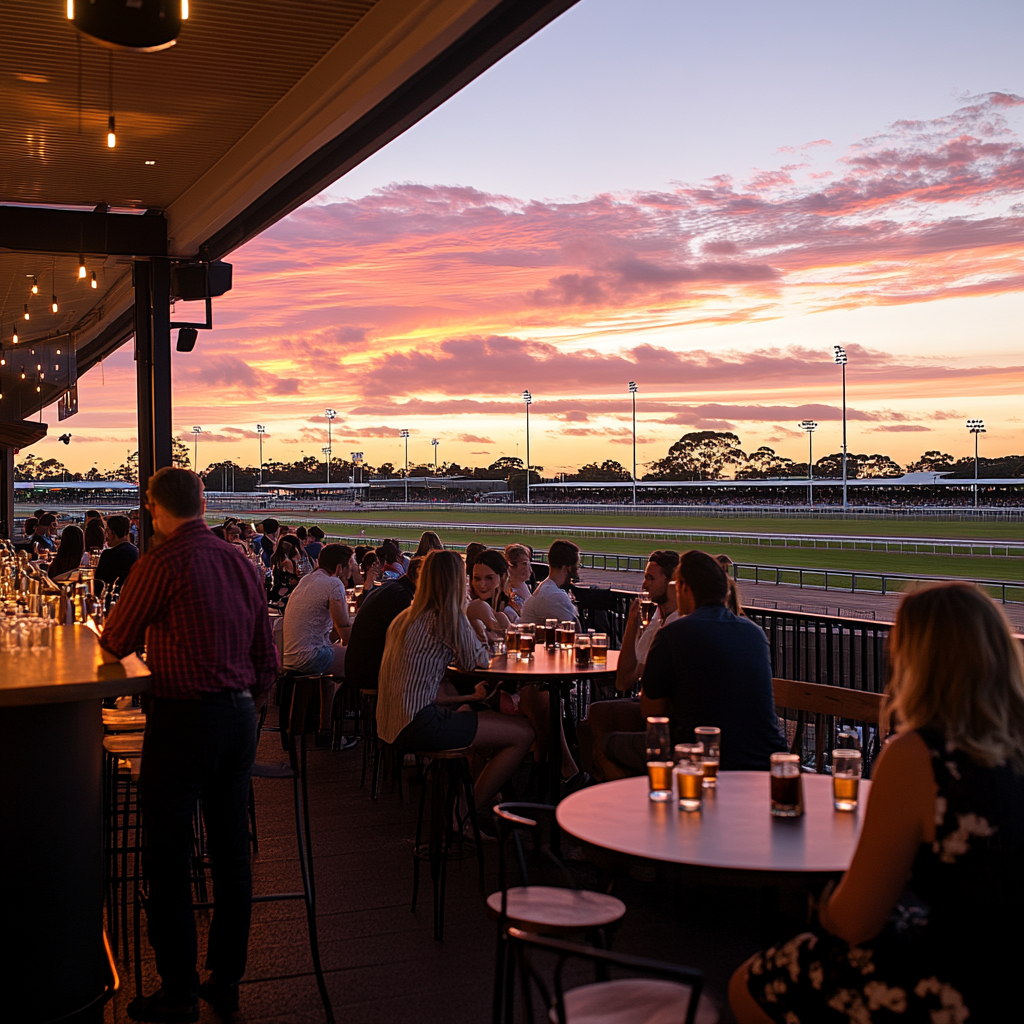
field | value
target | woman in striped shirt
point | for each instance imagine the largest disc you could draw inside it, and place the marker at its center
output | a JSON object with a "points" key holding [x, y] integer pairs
{"points": [[416, 709]]}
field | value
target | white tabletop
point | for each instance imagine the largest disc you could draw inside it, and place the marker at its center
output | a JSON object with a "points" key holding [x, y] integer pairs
{"points": [[734, 828]]}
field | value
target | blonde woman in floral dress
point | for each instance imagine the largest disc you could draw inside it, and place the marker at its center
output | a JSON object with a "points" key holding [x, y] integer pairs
{"points": [[925, 926]]}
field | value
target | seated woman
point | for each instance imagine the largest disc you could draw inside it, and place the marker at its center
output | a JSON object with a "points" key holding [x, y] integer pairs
{"points": [[284, 573], [912, 933], [68, 560], [489, 610], [519, 571], [416, 709]]}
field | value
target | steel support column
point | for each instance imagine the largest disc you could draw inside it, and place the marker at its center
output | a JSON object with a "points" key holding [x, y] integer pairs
{"points": [[7, 493], [153, 375]]}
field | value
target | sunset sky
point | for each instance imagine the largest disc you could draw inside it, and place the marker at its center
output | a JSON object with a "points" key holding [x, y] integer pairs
{"points": [[700, 198]]}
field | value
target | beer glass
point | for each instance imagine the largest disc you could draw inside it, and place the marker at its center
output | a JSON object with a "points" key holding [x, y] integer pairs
{"points": [[582, 650], [599, 648], [689, 777], [847, 766], [710, 738], [787, 790], [551, 634], [566, 633], [646, 608], [691, 752], [659, 760], [527, 641], [512, 639]]}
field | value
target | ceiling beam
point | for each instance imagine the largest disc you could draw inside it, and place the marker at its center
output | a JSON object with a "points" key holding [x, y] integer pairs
{"points": [[74, 232]]}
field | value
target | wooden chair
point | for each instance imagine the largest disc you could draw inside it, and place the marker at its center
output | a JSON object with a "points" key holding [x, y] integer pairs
{"points": [[662, 992], [539, 909], [825, 702]]}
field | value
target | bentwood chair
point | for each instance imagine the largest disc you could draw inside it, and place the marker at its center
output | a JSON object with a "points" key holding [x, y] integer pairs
{"points": [[561, 911], [655, 993]]}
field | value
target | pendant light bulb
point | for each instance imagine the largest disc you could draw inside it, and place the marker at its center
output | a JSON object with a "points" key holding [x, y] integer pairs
{"points": [[184, 9], [26, 310], [70, 8], [111, 134], [35, 285], [15, 334], [53, 303], [81, 268], [94, 279]]}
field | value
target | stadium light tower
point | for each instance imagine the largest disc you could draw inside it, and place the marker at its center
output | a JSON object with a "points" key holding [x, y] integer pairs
{"points": [[357, 458], [528, 399], [434, 441], [330, 414], [261, 430], [196, 431], [632, 392], [840, 357], [404, 434], [810, 426], [976, 427]]}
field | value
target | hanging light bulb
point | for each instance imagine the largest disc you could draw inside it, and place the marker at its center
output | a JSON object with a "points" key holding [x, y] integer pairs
{"points": [[53, 303], [70, 8], [35, 285], [81, 268], [184, 9], [94, 279], [111, 134], [26, 311], [15, 334], [58, 351]]}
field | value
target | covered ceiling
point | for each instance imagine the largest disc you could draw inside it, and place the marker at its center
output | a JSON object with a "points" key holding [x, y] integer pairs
{"points": [[258, 107]]}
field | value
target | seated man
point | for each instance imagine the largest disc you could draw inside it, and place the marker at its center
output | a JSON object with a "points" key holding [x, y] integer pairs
{"points": [[607, 716], [119, 555], [315, 606], [378, 610], [710, 667], [551, 599]]}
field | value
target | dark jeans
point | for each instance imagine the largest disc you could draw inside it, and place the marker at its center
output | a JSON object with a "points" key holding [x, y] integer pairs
{"points": [[198, 748]]}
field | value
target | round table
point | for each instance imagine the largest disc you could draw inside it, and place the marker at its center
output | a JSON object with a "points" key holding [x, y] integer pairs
{"points": [[734, 829], [556, 670]]}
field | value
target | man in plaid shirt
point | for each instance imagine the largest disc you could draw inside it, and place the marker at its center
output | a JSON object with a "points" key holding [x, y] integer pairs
{"points": [[196, 606]]}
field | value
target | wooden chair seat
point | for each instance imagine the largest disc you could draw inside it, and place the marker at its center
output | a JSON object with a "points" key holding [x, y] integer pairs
{"points": [[552, 910], [123, 721], [633, 1001], [124, 745]]}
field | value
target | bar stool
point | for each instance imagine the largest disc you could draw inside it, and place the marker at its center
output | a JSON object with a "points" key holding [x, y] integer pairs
{"points": [[447, 773], [368, 714], [558, 911]]}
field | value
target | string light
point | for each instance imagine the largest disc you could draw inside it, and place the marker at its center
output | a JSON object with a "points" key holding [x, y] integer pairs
{"points": [[53, 303], [111, 134], [15, 333], [71, 10], [81, 268], [26, 311], [94, 279], [184, 9], [35, 286]]}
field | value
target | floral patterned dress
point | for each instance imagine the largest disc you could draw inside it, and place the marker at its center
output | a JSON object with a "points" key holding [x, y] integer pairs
{"points": [[951, 949]]}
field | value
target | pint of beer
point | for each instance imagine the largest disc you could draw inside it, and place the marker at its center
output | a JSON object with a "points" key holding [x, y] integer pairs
{"points": [[846, 772]]}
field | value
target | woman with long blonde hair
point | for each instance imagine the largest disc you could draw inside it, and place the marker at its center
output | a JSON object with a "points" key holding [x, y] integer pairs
{"points": [[914, 932], [416, 710]]}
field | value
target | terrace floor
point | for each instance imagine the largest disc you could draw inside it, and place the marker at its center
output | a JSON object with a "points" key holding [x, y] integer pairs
{"points": [[381, 961]]}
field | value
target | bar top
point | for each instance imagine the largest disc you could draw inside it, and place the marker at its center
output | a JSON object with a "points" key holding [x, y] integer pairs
{"points": [[71, 670]]}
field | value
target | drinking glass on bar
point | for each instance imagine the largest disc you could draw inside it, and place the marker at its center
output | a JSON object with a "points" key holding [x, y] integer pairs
{"points": [[691, 752], [512, 639], [646, 608], [710, 738], [659, 760], [599, 648], [566, 634], [689, 778], [847, 767], [786, 787], [551, 634], [582, 650], [527, 641]]}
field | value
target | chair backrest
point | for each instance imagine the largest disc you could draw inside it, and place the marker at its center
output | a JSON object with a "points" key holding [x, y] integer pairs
{"points": [[512, 820], [827, 704], [525, 946]]}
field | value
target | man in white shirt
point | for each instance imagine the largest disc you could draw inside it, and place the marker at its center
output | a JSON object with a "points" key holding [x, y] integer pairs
{"points": [[624, 715], [551, 599], [316, 606]]}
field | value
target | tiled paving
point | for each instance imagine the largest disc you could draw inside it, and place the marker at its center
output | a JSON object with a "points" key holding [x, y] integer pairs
{"points": [[381, 961]]}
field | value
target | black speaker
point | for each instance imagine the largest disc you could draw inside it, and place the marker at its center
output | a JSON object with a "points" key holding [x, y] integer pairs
{"points": [[193, 281], [187, 339]]}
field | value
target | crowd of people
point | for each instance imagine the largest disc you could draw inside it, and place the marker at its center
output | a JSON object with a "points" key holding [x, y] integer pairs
{"points": [[911, 931]]}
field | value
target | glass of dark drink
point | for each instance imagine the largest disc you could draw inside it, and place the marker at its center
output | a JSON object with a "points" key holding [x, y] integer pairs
{"points": [[527, 641], [582, 650], [566, 634], [786, 788], [550, 633]]}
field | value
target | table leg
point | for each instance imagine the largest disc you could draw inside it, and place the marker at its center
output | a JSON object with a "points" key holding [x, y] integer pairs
{"points": [[555, 758]]}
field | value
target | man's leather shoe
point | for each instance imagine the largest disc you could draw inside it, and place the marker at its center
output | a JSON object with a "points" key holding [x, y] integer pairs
{"points": [[223, 998], [159, 1009]]}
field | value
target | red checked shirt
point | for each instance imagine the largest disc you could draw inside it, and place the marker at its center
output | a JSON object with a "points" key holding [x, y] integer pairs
{"points": [[196, 604]]}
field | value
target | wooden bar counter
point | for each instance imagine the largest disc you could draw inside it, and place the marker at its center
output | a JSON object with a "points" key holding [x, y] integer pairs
{"points": [[51, 822]]}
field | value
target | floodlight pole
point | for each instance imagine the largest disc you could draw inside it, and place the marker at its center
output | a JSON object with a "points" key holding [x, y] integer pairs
{"points": [[404, 434], [330, 414], [528, 399], [196, 431], [632, 392], [976, 427], [840, 357], [434, 441], [261, 430], [810, 426]]}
